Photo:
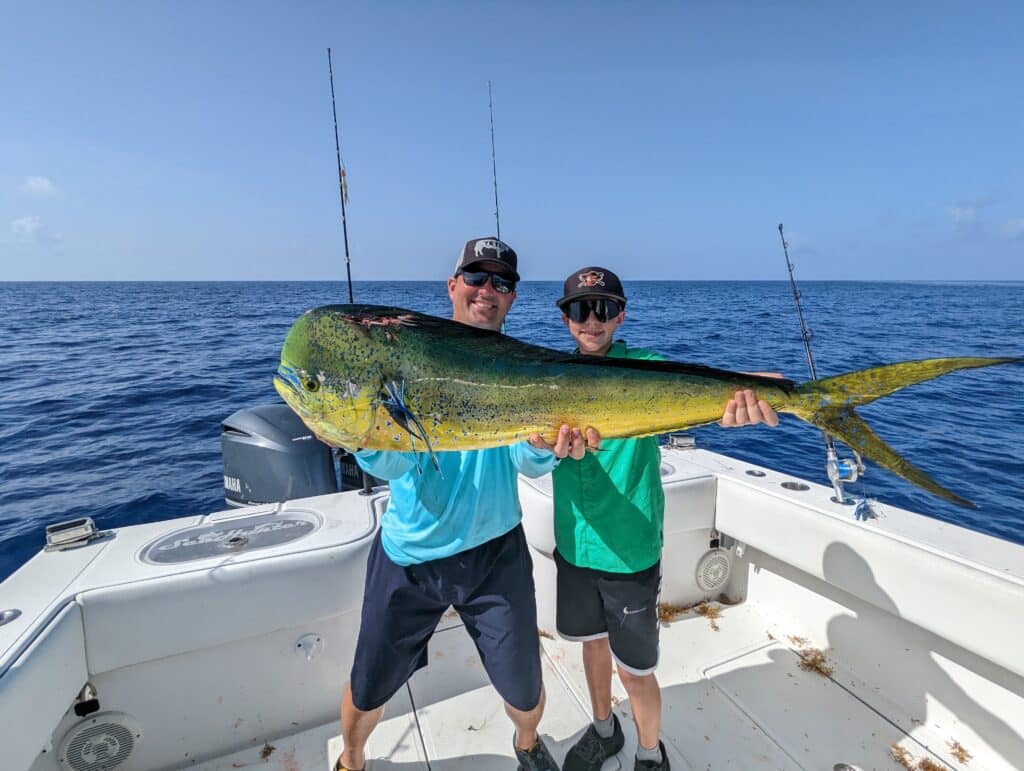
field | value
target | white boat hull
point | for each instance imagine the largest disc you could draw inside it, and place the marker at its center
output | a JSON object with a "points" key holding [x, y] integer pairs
{"points": [[239, 658]]}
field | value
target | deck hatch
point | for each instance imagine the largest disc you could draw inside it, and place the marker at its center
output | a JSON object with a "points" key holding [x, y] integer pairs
{"points": [[237, 535]]}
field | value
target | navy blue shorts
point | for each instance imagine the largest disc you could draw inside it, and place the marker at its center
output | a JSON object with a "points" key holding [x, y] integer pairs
{"points": [[620, 606], [491, 587]]}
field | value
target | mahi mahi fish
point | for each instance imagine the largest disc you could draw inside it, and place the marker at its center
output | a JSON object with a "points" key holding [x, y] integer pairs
{"points": [[380, 378]]}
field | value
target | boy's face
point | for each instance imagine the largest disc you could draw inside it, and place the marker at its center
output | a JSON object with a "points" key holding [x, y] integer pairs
{"points": [[594, 337]]}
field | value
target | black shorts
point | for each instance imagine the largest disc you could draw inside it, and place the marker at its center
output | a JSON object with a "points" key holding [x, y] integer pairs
{"points": [[491, 587], [620, 606]]}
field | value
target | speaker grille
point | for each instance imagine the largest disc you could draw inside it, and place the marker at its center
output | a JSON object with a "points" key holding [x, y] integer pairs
{"points": [[101, 743], [713, 570]]}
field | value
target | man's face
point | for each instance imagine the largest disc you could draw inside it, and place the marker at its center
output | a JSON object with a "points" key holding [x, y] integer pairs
{"points": [[480, 306], [594, 337]]}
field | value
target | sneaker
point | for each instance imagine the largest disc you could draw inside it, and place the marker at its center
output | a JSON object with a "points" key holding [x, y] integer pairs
{"points": [[650, 765], [592, 750], [535, 759]]}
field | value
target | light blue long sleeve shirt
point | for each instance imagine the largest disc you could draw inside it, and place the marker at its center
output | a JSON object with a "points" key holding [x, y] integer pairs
{"points": [[473, 500]]}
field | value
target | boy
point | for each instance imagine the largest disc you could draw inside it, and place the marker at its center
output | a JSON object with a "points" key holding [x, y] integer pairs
{"points": [[609, 509]]}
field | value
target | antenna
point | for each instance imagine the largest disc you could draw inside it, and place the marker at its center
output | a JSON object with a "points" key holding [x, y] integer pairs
{"points": [[840, 471], [342, 182], [494, 162]]}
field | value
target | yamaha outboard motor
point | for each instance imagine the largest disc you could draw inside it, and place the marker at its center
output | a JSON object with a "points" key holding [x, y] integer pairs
{"points": [[269, 455]]}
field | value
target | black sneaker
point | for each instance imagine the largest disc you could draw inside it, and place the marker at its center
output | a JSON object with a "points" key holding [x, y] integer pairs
{"points": [[535, 759], [592, 750], [650, 765]]}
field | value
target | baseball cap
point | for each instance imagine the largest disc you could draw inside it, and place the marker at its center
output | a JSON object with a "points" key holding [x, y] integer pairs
{"points": [[592, 282], [488, 249]]}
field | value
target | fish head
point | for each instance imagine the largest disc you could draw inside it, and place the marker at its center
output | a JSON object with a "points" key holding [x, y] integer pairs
{"points": [[323, 379]]}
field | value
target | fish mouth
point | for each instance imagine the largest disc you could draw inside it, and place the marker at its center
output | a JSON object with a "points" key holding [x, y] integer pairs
{"points": [[286, 381]]}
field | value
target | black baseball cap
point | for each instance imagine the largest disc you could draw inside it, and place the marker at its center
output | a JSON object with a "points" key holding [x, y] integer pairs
{"points": [[488, 249], [592, 282]]}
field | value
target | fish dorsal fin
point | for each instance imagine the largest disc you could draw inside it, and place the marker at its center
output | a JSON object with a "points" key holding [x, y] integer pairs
{"points": [[492, 344]]}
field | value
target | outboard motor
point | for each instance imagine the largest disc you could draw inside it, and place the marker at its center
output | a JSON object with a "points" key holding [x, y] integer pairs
{"points": [[269, 456]]}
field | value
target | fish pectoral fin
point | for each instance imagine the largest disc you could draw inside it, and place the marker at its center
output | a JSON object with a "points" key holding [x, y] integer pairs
{"points": [[848, 427], [393, 400]]}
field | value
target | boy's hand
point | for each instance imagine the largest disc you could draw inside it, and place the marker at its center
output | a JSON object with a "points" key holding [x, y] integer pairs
{"points": [[570, 442], [745, 409]]}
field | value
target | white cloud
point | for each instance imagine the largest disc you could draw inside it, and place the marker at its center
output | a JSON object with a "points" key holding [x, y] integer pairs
{"points": [[32, 230], [1013, 228], [27, 227], [41, 186], [962, 215]]}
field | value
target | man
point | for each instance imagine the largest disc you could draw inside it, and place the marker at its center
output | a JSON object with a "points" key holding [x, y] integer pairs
{"points": [[609, 510], [453, 537]]}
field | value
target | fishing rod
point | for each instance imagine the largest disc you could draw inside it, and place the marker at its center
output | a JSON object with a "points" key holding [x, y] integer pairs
{"points": [[840, 470], [345, 459], [494, 162], [342, 182]]}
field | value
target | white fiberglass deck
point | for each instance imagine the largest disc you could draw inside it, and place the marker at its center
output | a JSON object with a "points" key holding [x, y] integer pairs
{"points": [[735, 698]]}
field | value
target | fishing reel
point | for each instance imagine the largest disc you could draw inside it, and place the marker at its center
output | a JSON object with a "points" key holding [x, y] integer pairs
{"points": [[845, 471], [842, 471]]}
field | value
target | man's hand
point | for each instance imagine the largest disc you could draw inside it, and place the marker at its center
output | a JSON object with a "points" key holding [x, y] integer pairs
{"points": [[745, 409], [570, 442]]}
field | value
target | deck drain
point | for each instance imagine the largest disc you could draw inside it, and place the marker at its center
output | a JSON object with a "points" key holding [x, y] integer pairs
{"points": [[799, 486]]}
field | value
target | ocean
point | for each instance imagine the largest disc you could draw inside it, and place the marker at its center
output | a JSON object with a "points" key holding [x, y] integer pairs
{"points": [[112, 394]]}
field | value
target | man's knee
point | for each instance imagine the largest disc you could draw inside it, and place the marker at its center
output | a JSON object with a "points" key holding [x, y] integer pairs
{"points": [[533, 712]]}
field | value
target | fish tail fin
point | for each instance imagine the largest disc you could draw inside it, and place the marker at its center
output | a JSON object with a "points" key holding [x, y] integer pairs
{"points": [[866, 385], [828, 404], [848, 427]]}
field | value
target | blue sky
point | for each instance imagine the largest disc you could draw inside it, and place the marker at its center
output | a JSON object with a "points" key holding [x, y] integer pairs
{"points": [[667, 140]]}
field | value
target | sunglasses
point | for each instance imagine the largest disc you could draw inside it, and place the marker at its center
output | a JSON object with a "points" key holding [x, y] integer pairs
{"points": [[501, 284], [601, 307]]}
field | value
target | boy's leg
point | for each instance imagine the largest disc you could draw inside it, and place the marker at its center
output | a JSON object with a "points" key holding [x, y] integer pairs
{"points": [[645, 701], [597, 664], [581, 617], [631, 607]]}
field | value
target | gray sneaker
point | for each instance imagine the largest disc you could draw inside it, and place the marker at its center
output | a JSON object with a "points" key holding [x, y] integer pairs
{"points": [[536, 758], [650, 765], [592, 749]]}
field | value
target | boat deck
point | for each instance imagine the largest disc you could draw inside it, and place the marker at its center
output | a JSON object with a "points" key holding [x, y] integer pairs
{"points": [[734, 697]]}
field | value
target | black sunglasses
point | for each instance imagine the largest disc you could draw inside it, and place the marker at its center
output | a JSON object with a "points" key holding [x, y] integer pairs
{"points": [[602, 307], [502, 284]]}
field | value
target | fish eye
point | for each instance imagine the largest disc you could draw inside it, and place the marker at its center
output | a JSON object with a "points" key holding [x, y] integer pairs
{"points": [[311, 384]]}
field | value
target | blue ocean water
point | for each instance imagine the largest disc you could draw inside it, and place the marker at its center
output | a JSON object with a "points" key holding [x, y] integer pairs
{"points": [[111, 394]]}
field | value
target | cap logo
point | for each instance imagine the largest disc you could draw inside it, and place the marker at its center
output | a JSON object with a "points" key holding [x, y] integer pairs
{"points": [[590, 279], [488, 243]]}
